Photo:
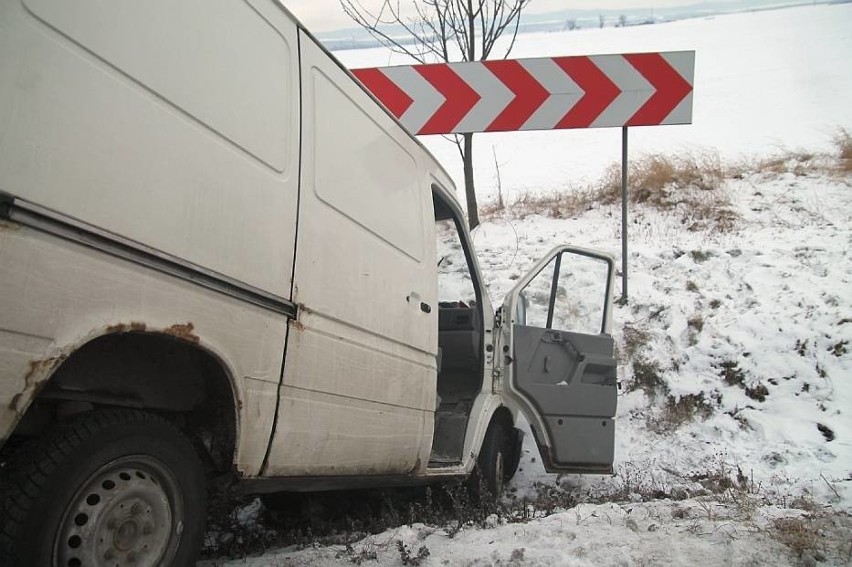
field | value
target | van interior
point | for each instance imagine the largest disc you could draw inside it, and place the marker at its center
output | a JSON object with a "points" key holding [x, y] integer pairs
{"points": [[460, 356]]}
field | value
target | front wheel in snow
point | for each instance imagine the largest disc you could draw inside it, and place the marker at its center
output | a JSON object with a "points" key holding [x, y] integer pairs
{"points": [[495, 458]]}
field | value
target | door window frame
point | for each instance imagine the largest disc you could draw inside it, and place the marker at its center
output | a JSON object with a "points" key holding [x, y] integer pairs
{"points": [[607, 307]]}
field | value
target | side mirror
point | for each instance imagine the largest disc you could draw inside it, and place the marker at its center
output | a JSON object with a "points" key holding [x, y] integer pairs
{"points": [[521, 315]]}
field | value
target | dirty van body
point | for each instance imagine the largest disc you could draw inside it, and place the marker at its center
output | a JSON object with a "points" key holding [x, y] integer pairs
{"points": [[221, 257]]}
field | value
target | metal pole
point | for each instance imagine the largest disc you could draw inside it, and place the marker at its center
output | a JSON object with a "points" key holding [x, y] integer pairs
{"points": [[624, 215]]}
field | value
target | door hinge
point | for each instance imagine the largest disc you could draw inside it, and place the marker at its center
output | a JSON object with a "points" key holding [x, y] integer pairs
{"points": [[495, 379]]}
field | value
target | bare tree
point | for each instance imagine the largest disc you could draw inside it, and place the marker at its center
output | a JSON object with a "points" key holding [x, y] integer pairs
{"points": [[601, 21], [444, 31]]}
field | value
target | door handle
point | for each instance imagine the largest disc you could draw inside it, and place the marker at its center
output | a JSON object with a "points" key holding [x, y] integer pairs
{"points": [[414, 297], [555, 337]]}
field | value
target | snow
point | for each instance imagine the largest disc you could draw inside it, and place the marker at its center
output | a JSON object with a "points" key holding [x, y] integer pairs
{"points": [[767, 305], [607, 534], [780, 280], [763, 81]]}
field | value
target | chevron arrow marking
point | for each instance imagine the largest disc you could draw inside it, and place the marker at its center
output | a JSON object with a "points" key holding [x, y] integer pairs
{"points": [[392, 96], [670, 87], [600, 91], [635, 90], [529, 95], [427, 100], [460, 98], [494, 96], [544, 93]]}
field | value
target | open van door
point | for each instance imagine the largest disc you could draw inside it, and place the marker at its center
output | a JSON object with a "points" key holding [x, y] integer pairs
{"points": [[558, 358]]}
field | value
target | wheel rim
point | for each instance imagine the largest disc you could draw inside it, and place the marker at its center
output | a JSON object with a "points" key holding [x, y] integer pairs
{"points": [[126, 513]]}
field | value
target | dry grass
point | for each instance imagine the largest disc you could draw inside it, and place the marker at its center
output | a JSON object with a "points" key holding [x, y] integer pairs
{"points": [[690, 185], [821, 535], [796, 162], [843, 142], [554, 204], [801, 163], [679, 411], [647, 376], [635, 340], [796, 533], [657, 179]]}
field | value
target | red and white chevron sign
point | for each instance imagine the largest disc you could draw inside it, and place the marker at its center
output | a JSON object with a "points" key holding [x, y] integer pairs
{"points": [[548, 93]]}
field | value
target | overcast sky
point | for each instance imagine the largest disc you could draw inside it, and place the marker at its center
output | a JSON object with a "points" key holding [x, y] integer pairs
{"points": [[326, 15]]}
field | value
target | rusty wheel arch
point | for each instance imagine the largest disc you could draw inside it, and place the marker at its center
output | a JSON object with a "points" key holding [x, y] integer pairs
{"points": [[168, 372]]}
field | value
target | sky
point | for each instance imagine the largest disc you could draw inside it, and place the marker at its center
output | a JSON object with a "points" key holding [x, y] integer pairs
{"points": [[327, 15]]}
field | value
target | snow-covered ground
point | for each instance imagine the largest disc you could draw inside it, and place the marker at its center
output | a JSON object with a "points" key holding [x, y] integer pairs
{"points": [[767, 304], [734, 427]]}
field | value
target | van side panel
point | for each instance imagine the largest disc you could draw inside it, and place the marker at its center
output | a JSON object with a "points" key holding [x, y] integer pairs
{"points": [[359, 386], [58, 295], [174, 124]]}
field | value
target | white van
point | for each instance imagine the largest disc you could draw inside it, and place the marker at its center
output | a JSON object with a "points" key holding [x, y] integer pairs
{"points": [[219, 256]]}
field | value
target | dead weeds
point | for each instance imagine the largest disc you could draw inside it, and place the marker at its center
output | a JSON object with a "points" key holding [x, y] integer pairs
{"points": [[818, 536], [653, 177], [647, 376], [843, 143], [681, 410], [691, 185], [801, 163], [635, 340]]}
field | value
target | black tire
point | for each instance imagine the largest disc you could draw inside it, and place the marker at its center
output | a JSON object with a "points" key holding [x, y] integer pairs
{"points": [[495, 458], [116, 485], [515, 439]]}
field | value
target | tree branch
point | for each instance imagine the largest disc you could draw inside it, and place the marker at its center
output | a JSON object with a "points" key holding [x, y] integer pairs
{"points": [[443, 30]]}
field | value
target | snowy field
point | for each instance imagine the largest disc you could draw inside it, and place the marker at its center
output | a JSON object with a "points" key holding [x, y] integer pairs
{"points": [[734, 427], [763, 81]]}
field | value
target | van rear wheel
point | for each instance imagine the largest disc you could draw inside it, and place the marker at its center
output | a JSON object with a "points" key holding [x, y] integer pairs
{"points": [[112, 486], [495, 458]]}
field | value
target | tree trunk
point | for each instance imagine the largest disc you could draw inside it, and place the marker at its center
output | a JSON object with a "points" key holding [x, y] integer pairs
{"points": [[469, 189]]}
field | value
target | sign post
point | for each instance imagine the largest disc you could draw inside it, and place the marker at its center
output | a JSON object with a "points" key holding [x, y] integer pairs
{"points": [[544, 93], [624, 215]]}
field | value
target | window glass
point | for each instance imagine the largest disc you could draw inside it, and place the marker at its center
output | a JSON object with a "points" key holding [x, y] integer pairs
{"points": [[537, 296], [454, 281], [574, 301]]}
